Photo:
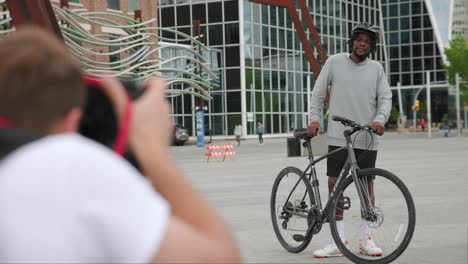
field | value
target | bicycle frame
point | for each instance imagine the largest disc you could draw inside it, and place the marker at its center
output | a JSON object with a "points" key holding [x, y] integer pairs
{"points": [[310, 173]]}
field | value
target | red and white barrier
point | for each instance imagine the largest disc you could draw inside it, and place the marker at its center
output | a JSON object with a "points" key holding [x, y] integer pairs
{"points": [[223, 150]]}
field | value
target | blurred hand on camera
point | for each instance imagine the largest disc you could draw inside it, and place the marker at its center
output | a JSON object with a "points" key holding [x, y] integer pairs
{"points": [[152, 115], [150, 120]]}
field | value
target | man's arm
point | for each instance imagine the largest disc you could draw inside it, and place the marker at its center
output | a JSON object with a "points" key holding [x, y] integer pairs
{"points": [[195, 233], [384, 99], [319, 92], [317, 99]]}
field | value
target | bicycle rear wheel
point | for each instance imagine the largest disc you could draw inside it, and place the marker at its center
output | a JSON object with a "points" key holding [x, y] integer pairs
{"points": [[389, 220], [291, 199]]}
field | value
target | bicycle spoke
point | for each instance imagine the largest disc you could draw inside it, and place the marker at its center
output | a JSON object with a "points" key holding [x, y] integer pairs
{"points": [[381, 231], [290, 203]]}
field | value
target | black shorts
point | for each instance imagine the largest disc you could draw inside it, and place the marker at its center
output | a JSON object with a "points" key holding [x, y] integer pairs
{"points": [[335, 163]]}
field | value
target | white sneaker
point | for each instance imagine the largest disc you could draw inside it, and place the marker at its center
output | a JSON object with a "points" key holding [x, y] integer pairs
{"points": [[368, 247], [330, 250]]}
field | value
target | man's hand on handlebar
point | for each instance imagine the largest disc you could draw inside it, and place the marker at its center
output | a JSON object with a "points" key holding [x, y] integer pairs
{"points": [[378, 127], [313, 129]]}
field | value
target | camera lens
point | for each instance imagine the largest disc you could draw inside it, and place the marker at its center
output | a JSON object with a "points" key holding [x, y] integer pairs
{"points": [[134, 88]]}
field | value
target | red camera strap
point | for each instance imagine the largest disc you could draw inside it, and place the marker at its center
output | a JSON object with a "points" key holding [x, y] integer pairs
{"points": [[121, 139], [6, 123]]}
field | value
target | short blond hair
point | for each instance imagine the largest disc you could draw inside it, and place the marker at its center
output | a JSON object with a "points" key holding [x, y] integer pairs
{"points": [[39, 81]]}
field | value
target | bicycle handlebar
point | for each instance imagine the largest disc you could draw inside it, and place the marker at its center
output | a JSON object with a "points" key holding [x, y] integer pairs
{"points": [[301, 133], [353, 124]]}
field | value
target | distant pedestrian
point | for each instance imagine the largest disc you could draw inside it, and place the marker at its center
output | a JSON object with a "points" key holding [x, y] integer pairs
{"points": [[446, 129], [238, 133], [260, 131], [422, 123]]}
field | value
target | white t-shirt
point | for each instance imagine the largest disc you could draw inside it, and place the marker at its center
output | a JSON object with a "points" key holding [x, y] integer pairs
{"points": [[67, 199]]}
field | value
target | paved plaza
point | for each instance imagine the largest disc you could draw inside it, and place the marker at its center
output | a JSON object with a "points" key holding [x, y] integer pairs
{"points": [[435, 170]]}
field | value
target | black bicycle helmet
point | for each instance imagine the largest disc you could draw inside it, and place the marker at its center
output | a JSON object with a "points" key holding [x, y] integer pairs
{"points": [[367, 28]]}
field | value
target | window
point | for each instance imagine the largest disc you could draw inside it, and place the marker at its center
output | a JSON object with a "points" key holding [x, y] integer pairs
{"points": [[394, 66], [216, 35], [267, 96], [404, 37], [394, 24], [232, 33], [232, 56], [167, 17], [404, 23], [215, 12], [394, 79], [113, 4], [416, 22], [406, 65], [231, 11], [417, 64], [183, 15], [233, 79], [393, 10], [405, 51], [133, 5], [418, 78], [394, 38], [199, 13], [428, 50], [427, 22], [406, 79], [417, 51], [416, 8], [416, 36], [428, 35], [404, 9], [428, 64], [394, 53]]}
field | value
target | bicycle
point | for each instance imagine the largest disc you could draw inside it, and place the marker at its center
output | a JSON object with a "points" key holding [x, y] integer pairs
{"points": [[386, 210]]}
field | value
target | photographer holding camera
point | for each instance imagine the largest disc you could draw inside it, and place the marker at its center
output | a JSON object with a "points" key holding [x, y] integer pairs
{"points": [[65, 198]]}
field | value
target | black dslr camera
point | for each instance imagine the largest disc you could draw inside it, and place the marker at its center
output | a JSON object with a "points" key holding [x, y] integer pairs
{"points": [[99, 121]]}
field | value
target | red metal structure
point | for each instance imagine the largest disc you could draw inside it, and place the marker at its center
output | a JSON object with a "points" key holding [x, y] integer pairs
{"points": [[289, 5], [34, 12]]}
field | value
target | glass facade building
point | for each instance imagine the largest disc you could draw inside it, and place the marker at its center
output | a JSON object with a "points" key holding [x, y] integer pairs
{"points": [[415, 45], [459, 23], [265, 75]]}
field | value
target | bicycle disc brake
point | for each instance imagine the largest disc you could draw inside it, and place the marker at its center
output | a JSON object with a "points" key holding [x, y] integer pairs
{"points": [[374, 217]]}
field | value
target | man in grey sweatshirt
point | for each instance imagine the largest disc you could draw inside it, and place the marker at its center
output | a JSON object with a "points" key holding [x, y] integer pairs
{"points": [[358, 91]]}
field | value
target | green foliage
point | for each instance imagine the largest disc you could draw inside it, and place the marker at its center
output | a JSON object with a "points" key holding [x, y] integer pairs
{"points": [[457, 55], [422, 113], [444, 117], [394, 114]]}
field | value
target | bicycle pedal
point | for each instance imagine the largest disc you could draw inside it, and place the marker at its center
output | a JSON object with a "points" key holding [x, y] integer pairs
{"points": [[298, 238], [345, 203]]}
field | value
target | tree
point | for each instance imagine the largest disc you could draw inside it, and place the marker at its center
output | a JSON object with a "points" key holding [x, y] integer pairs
{"points": [[394, 115], [457, 55]]}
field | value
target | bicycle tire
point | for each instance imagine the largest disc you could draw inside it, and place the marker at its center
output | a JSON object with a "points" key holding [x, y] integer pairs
{"points": [[391, 226], [302, 191]]}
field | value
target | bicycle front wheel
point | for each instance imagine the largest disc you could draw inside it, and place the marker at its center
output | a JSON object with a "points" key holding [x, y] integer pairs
{"points": [[379, 231], [291, 199]]}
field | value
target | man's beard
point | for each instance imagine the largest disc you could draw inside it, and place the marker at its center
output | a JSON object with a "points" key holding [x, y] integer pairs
{"points": [[361, 57]]}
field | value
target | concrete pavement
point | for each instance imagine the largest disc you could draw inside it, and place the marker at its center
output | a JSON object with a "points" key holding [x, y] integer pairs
{"points": [[435, 170]]}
